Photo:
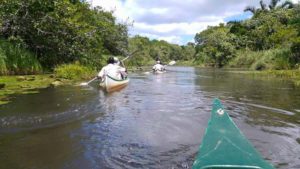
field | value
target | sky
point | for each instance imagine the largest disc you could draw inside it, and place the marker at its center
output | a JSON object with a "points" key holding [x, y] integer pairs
{"points": [[175, 21]]}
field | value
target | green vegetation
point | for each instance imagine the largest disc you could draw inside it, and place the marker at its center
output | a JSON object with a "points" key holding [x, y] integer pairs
{"points": [[57, 32], [260, 60], [22, 85], [15, 59], [64, 74], [145, 51], [40, 35], [293, 75], [74, 72], [269, 40]]}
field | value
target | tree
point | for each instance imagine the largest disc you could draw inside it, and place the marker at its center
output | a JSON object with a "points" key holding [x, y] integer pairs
{"points": [[63, 31], [215, 51], [273, 4]]}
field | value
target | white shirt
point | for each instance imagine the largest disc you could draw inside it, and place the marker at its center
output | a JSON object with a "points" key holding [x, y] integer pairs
{"points": [[158, 67], [112, 70]]}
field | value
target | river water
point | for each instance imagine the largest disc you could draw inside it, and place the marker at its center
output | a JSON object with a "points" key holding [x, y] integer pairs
{"points": [[157, 121]]}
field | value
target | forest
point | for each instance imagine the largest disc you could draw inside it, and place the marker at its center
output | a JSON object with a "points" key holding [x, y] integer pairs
{"points": [[40, 36], [270, 39]]}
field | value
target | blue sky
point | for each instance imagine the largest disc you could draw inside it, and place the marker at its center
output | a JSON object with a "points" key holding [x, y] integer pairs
{"points": [[176, 21]]}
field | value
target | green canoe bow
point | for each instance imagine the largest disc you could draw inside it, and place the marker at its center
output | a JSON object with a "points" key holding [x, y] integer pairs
{"points": [[224, 146]]}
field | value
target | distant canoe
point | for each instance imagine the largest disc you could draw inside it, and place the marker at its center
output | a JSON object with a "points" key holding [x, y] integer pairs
{"points": [[111, 84], [224, 146]]}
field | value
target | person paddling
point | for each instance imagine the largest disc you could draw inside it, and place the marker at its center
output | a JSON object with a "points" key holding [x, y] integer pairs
{"points": [[158, 66], [112, 69], [122, 69]]}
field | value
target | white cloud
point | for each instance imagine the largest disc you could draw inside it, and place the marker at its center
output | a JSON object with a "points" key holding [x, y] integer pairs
{"points": [[171, 39], [159, 10], [174, 20], [175, 28]]}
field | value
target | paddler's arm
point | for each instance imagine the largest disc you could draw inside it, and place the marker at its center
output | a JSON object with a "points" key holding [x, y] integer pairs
{"points": [[101, 74]]}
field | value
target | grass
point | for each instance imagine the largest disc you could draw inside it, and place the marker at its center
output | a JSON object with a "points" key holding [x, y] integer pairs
{"points": [[185, 63], [273, 59], [14, 59], [22, 85], [65, 74], [293, 75], [74, 72]]}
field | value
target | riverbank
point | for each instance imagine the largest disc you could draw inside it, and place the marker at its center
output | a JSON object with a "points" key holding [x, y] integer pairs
{"points": [[10, 85], [292, 75]]}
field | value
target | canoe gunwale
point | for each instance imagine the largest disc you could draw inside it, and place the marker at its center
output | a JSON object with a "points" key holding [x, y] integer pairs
{"points": [[117, 80], [111, 84]]}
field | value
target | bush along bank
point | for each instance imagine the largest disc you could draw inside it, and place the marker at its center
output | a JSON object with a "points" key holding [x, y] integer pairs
{"points": [[74, 71], [273, 59]]}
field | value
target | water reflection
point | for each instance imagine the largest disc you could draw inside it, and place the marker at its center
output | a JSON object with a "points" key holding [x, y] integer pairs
{"points": [[157, 121]]}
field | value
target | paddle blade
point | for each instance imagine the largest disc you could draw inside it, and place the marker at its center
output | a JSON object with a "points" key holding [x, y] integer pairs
{"points": [[173, 62], [83, 84]]}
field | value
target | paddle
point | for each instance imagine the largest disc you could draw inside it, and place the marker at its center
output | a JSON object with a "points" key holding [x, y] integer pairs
{"points": [[173, 62], [129, 55], [86, 83]]}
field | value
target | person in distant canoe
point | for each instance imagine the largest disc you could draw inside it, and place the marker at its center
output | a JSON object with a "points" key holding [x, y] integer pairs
{"points": [[112, 69], [158, 66]]}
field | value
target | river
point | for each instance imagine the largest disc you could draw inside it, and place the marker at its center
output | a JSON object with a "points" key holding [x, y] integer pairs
{"points": [[157, 121]]}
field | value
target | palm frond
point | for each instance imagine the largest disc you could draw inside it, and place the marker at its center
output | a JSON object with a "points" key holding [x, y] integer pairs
{"points": [[288, 4], [250, 9], [273, 4], [263, 6]]}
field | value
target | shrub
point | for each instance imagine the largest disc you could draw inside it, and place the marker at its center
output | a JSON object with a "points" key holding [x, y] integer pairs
{"points": [[3, 69], [295, 49], [74, 71], [268, 59], [259, 65], [244, 59]]}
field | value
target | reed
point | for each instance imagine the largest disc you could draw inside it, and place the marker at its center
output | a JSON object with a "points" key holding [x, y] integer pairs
{"points": [[14, 59]]}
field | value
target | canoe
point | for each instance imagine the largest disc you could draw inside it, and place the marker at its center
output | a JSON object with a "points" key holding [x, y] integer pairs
{"points": [[224, 145], [111, 84]]}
